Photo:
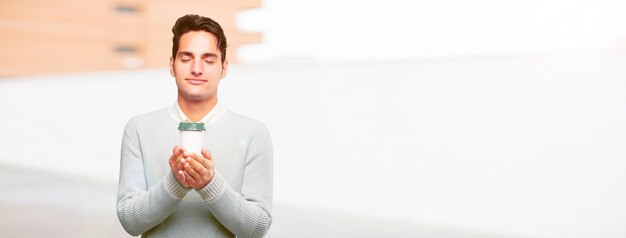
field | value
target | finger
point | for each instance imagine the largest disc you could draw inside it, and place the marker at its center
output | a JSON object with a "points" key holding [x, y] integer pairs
{"points": [[172, 160], [208, 162], [181, 163], [193, 172], [175, 161], [174, 156], [182, 156], [197, 159], [182, 160], [190, 178], [192, 156], [178, 150], [204, 167], [207, 154], [182, 178], [180, 175], [200, 167]]}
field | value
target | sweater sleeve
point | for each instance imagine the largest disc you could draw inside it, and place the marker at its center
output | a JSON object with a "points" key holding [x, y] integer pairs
{"points": [[246, 214], [140, 208]]}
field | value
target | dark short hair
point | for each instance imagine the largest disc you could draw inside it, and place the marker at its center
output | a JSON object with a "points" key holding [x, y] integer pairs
{"points": [[193, 22]]}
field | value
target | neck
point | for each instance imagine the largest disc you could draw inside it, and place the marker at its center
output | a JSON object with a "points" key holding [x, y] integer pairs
{"points": [[196, 110]]}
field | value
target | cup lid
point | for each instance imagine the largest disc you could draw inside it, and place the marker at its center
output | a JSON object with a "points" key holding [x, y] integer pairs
{"points": [[191, 126]]}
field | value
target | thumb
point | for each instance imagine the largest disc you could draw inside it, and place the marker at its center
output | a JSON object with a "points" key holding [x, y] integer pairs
{"points": [[206, 154]]}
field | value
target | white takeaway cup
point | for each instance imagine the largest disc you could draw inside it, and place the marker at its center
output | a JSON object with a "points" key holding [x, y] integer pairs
{"points": [[192, 136]]}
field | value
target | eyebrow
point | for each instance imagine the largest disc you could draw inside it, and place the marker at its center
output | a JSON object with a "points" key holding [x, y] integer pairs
{"points": [[205, 55]]}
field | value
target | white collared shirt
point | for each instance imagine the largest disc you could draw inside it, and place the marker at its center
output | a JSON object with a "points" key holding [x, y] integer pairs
{"points": [[214, 115]]}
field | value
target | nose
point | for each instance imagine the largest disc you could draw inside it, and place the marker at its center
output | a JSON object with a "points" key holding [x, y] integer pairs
{"points": [[197, 68]]}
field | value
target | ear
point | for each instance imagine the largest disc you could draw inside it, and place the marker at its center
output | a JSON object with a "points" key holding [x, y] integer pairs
{"points": [[172, 66], [224, 69]]}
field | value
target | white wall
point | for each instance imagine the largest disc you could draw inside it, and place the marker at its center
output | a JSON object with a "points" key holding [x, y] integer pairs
{"points": [[346, 30]]}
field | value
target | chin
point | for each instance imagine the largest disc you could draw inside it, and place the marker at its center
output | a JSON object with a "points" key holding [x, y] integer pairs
{"points": [[196, 97]]}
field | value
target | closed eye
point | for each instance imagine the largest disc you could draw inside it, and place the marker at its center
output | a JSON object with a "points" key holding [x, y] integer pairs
{"points": [[185, 56]]}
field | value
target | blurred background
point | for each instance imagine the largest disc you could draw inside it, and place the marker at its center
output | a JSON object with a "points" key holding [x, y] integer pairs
{"points": [[389, 118]]}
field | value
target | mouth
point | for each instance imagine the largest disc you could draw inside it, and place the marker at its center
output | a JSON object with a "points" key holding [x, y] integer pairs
{"points": [[195, 81]]}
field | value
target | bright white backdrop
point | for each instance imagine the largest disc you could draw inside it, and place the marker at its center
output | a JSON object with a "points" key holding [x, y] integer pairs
{"points": [[519, 146], [503, 117], [362, 30]]}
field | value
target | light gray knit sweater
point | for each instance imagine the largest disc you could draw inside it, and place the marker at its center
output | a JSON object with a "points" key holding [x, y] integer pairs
{"points": [[237, 202]]}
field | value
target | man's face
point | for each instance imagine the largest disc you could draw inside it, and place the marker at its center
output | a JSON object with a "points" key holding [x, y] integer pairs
{"points": [[198, 67]]}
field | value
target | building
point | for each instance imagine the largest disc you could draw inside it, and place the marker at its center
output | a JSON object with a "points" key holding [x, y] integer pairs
{"points": [[69, 36]]}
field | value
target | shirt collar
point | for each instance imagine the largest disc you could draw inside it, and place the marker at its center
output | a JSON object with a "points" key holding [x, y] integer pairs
{"points": [[215, 114]]}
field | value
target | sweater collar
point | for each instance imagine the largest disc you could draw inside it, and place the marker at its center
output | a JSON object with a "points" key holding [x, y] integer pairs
{"points": [[214, 115]]}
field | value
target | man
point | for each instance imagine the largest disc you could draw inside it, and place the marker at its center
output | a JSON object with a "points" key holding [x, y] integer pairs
{"points": [[231, 178]]}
